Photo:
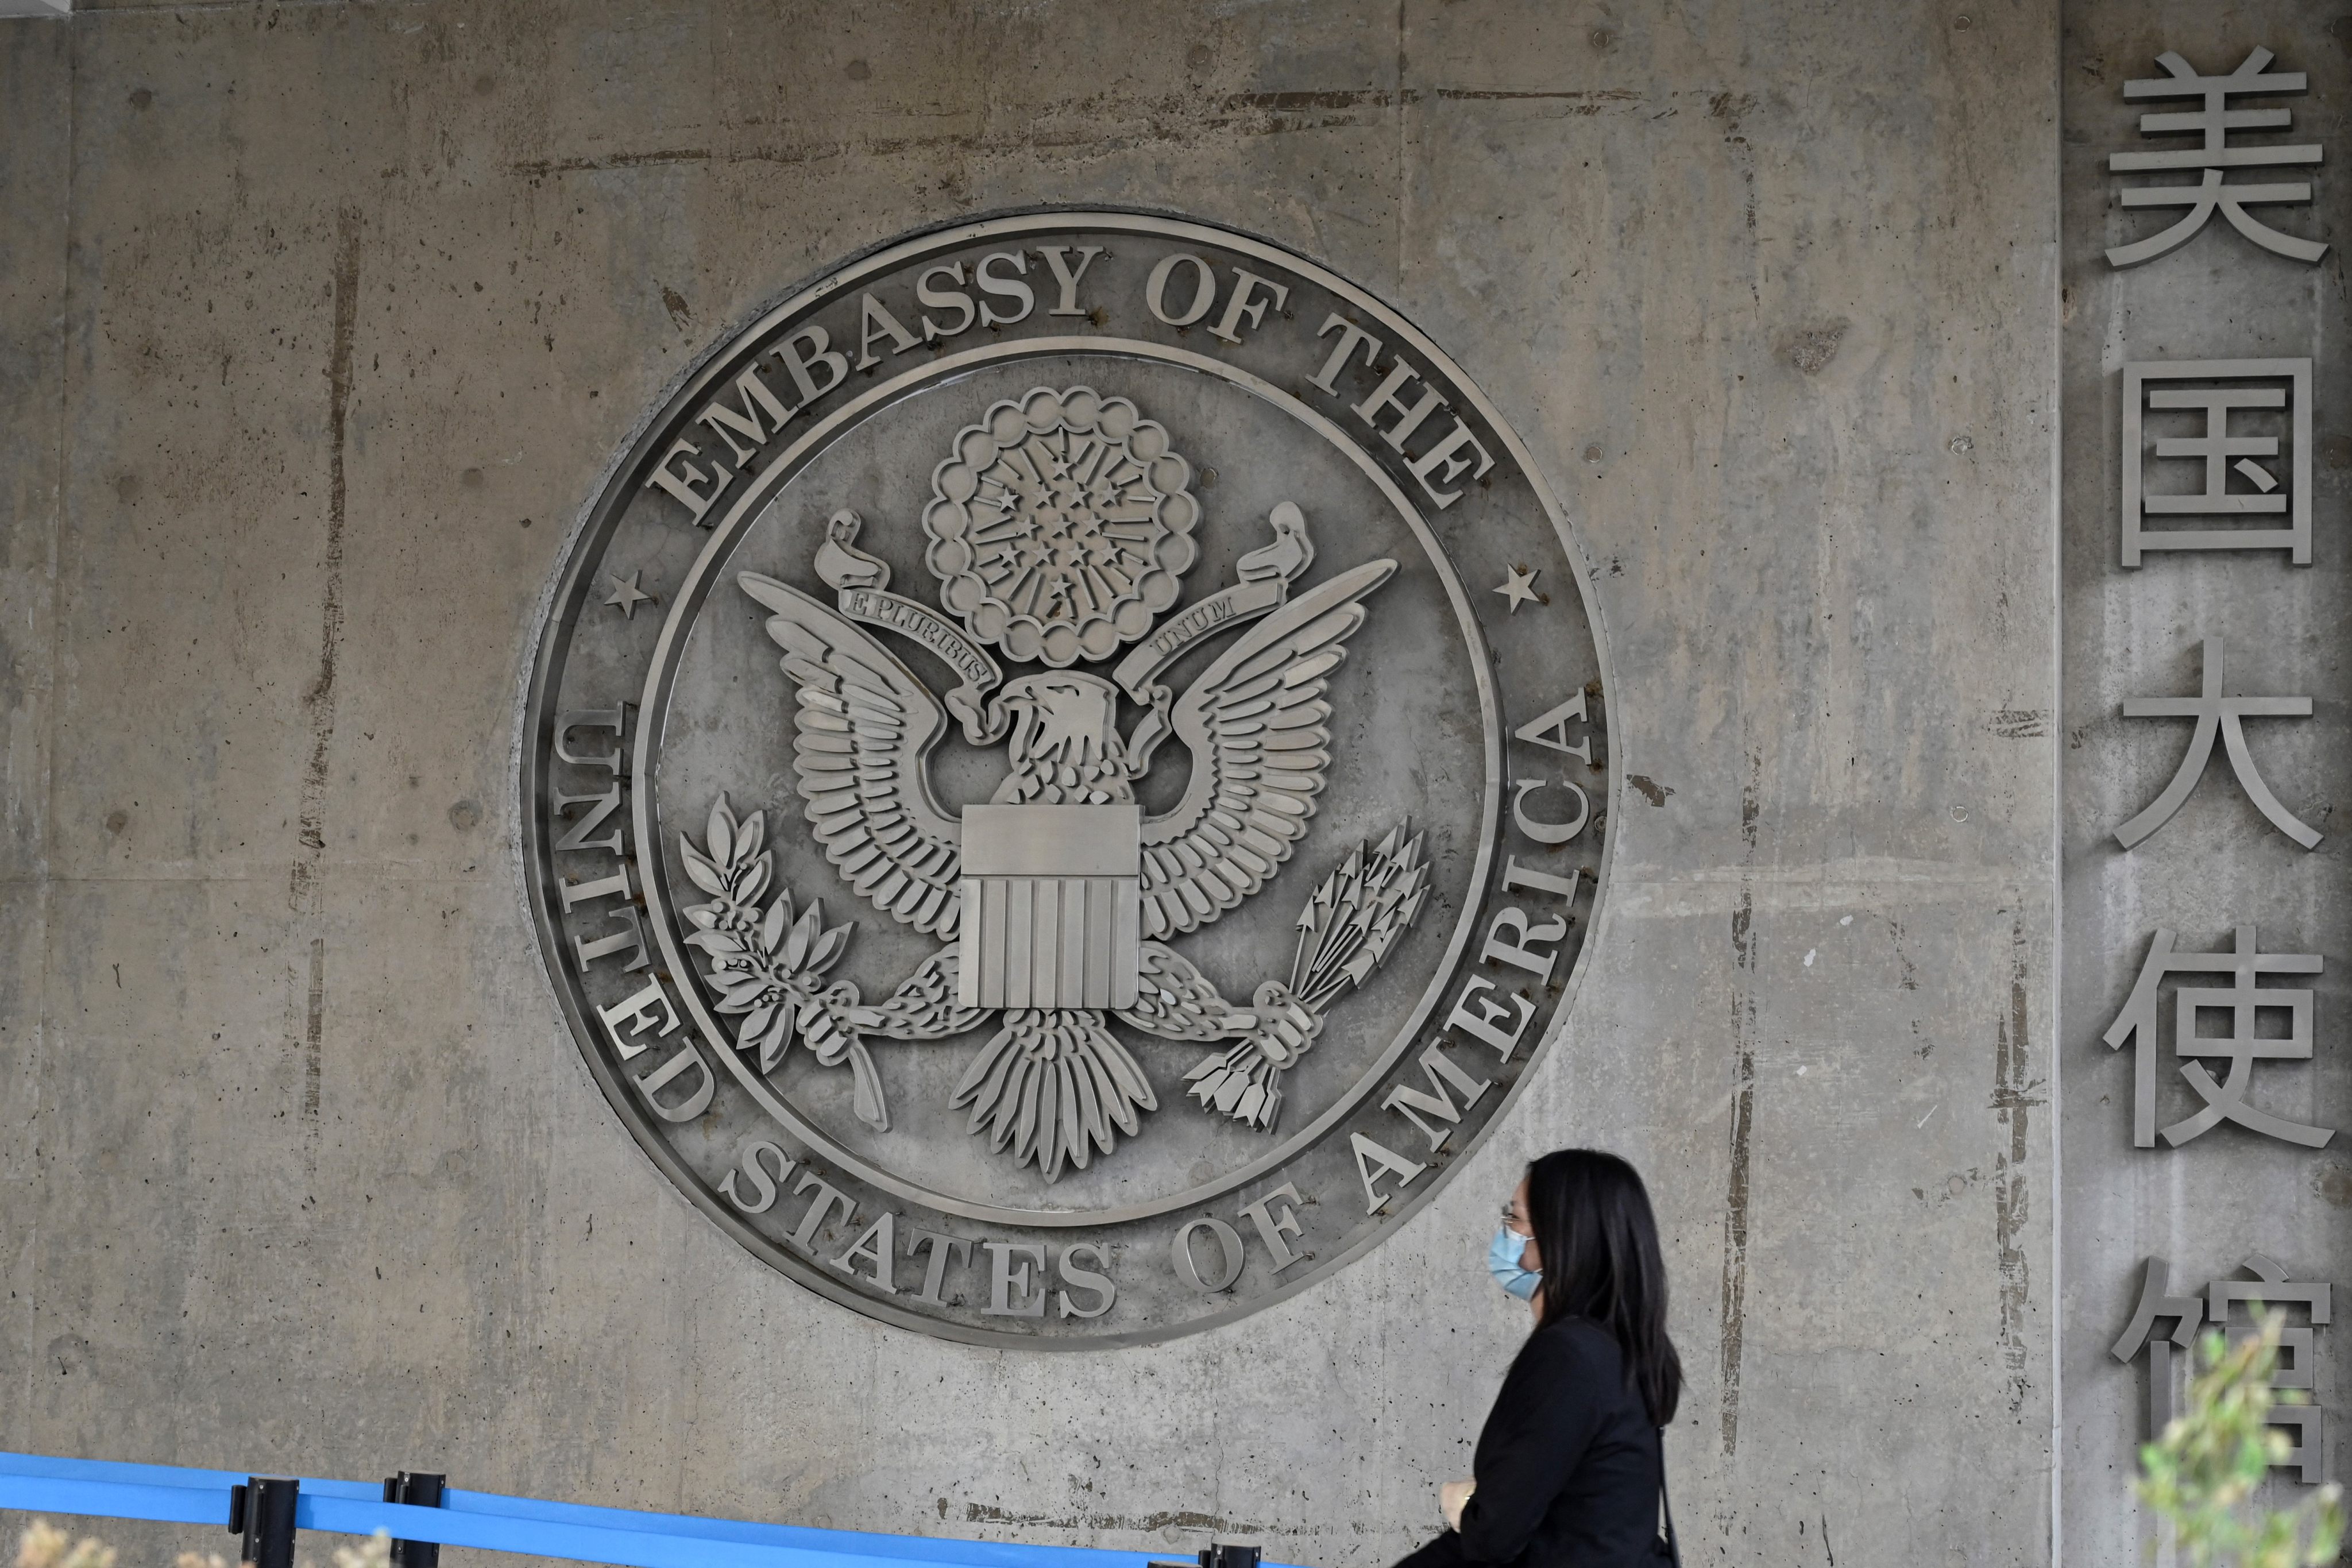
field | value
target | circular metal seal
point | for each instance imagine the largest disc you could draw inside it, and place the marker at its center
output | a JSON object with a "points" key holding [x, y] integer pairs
{"points": [[1108, 795]]}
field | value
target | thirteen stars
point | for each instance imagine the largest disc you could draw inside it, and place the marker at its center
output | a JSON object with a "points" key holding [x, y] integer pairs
{"points": [[1521, 588], [627, 595]]}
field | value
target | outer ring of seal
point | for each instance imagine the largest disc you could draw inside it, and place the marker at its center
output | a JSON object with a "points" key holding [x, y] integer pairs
{"points": [[568, 590]]}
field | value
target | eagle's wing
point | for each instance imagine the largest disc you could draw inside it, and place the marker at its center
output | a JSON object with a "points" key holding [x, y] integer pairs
{"points": [[863, 732], [1258, 726]]}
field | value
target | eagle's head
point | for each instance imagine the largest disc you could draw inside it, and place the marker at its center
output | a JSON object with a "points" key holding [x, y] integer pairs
{"points": [[1062, 717], [1066, 743]]}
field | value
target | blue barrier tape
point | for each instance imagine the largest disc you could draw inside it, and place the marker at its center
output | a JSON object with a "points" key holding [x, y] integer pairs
{"points": [[975, 1554], [587, 1543], [114, 1499], [351, 1516], [163, 1475], [488, 1520], [914, 1548]]}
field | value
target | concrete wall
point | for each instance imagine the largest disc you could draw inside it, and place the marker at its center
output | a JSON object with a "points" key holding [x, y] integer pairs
{"points": [[2207, 1204], [321, 321]]}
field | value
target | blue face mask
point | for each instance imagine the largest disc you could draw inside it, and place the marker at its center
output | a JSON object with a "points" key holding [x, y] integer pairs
{"points": [[1503, 1263]]}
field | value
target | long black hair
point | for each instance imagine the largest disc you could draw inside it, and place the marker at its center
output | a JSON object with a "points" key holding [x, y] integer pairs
{"points": [[1598, 1242]]}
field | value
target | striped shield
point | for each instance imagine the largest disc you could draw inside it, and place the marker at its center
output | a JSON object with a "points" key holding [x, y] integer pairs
{"points": [[1050, 906]]}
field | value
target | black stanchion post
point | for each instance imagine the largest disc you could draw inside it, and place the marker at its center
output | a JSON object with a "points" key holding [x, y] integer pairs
{"points": [[262, 1511], [1220, 1554], [418, 1490]]}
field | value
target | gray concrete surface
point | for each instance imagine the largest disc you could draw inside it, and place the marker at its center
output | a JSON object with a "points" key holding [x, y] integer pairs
{"points": [[2209, 1203], [322, 320]]}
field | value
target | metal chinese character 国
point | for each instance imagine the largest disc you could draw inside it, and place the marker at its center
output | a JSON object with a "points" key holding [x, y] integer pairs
{"points": [[2241, 1046], [2217, 718], [2269, 1287], [2247, 406], [2213, 191]]}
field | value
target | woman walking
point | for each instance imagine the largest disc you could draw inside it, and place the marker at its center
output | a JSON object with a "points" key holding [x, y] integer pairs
{"points": [[1570, 1469]]}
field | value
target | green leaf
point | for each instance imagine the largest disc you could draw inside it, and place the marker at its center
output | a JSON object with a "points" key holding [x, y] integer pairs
{"points": [[2212, 1461]]}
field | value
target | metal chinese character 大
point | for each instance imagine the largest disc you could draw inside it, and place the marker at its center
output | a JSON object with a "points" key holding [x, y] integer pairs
{"points": [[1075, 855], [2221, 719], [2227, 1305], [2215, 157], [2243, 1001]]}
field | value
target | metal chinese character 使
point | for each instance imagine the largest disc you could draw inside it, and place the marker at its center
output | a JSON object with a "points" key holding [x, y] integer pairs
{"points": [[1075, 850], [2214, 158], [2225, 421], [2221, 719], [2243, 1001], [2227, 1306]]}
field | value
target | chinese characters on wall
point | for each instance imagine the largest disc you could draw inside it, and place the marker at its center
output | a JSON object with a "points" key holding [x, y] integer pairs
{"points": [[2217, 460], [2225, 1305], [2213, 162]]}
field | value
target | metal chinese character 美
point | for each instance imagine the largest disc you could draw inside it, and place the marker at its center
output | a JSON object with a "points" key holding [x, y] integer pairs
{"points": [[2243, 1000], [2213, 122], [2235, 446], [2269, 1287], [2217, 718]]}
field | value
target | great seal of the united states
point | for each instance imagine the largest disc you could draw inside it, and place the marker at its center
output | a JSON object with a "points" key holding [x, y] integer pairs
{"points": [[1064, 779]]}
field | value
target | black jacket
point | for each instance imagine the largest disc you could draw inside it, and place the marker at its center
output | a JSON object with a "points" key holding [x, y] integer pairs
{"points": [[1568, 1465]]}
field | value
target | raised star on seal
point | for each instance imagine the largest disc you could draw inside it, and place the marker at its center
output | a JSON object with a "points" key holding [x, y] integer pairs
{"points": [[627, 595], [1521, 588]]}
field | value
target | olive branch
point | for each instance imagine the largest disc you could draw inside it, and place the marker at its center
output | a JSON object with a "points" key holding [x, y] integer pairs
{"points": [[768, 964]]}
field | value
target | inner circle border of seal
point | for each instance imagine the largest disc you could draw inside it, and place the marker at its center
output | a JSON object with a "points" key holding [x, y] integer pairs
{"points": [[565, 598], [655, 699]]}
